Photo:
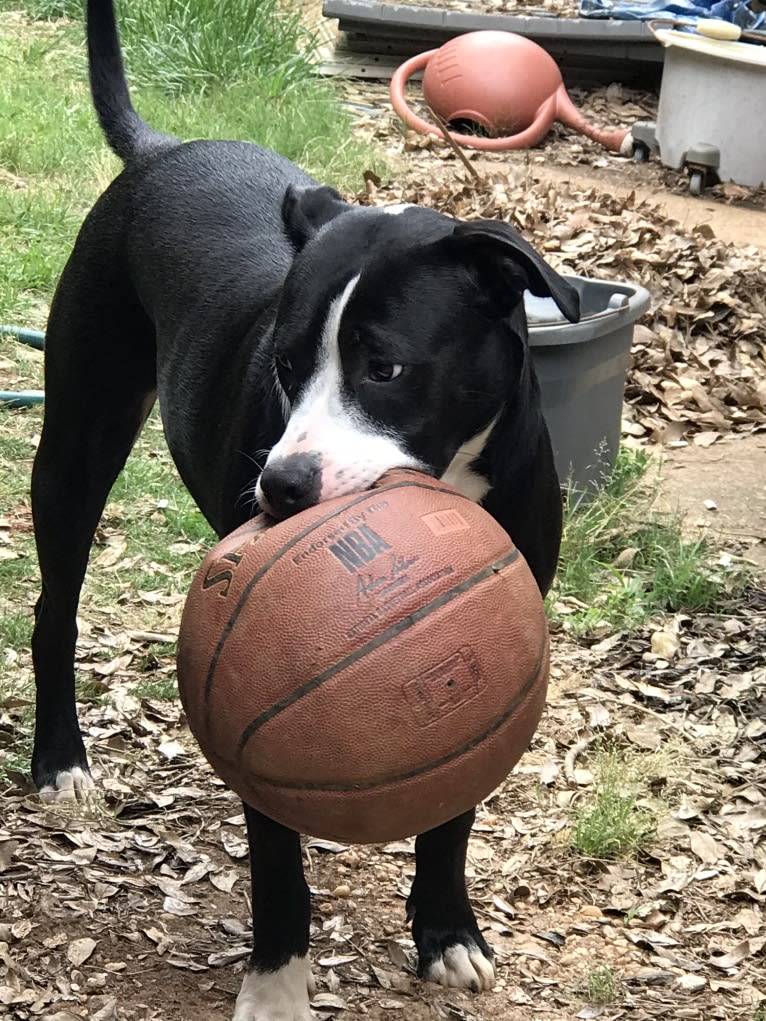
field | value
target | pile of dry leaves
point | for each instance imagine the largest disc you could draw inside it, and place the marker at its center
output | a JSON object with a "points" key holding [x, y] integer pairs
{"points": [[698, 360], [559, 8]]}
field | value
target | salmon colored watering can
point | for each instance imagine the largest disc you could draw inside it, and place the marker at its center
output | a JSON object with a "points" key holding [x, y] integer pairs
{"points": [[502, 81]]}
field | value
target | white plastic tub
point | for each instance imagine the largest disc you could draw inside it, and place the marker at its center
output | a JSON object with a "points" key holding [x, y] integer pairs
{"points": [[713, 92]]}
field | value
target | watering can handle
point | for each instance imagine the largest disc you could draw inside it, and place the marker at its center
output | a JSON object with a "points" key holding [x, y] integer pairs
{"points": [[530, 136]]}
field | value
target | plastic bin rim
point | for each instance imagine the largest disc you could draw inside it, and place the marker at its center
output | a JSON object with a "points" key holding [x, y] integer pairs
{"points": [[722, 49], [607, 321]]}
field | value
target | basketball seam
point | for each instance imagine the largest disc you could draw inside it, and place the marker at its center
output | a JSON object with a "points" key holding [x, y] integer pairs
{"points": [[428, 767], [275, 557], [375, 643]]}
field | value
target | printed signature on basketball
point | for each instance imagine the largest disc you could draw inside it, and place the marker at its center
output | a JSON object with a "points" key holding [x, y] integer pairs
{"points": [[383, 583]]}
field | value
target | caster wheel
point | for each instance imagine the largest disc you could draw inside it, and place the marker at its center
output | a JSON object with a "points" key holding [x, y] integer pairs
{"points": [[640, 153], [696, 183]]}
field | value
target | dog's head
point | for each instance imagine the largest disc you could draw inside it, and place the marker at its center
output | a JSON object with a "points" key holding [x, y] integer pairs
{"points": [[399, 341]]}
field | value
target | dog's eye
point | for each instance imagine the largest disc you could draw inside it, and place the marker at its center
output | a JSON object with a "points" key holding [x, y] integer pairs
{"points": [[384, 372]]}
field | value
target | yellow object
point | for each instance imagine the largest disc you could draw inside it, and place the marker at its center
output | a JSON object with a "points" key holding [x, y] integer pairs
{"points": [[714, 28]]}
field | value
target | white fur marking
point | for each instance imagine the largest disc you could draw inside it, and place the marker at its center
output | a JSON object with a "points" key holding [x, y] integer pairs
{"points": [[396, 208], [460, 474], [463, 966], [277, 995], [354, 453], [73, 784]]}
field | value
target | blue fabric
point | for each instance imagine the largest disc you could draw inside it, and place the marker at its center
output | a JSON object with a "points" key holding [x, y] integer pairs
{"points": [[736, 11]]}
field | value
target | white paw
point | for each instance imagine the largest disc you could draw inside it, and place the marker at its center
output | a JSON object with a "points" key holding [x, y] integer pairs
{"points": [[73, 784], [281, 995], [462, 966]]}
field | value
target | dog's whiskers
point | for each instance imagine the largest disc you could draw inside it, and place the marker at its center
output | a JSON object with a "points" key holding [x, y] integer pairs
{"points": [[247, 498], [254, 457]]}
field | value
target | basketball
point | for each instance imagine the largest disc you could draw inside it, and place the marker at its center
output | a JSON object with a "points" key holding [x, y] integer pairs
{"points": [[369, 668]]}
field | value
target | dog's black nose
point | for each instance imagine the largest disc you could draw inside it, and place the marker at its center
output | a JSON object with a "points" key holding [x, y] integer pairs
{"points": [[291, 484]]}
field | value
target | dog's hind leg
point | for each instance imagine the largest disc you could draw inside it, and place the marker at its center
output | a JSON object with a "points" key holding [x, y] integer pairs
{"points": [[451, 950], [100, 383]]}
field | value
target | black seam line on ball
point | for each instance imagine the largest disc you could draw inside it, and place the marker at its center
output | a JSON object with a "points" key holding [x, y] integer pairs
{"points": [[374, 643], [366, 495], [368, 785]]}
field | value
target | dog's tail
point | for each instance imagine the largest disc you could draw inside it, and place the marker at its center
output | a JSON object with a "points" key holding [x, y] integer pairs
{"points": [[126, 133]]}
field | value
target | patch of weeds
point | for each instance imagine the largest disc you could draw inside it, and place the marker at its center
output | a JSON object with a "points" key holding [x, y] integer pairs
{"points": [[165, 690], [90, 689], [36, 233], [15, 629], [603, 984], [14, 448], [622, 561], [16, 756], [639, 911], [45, 10], [759, 1011], [611, 823], [189, 45]]}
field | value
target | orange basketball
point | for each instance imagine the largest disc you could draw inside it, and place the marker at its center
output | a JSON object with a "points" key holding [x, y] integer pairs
{"points": [[369, 668]]}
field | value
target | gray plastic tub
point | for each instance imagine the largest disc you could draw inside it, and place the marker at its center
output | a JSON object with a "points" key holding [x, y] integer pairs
{"points": [[581, 368]]}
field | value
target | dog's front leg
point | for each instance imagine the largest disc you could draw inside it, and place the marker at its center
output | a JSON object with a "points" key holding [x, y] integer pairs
{"points": [[451, 950], [278, 983]]}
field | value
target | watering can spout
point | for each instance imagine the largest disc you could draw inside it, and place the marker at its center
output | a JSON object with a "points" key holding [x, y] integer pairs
{"points": [[616, 139]]}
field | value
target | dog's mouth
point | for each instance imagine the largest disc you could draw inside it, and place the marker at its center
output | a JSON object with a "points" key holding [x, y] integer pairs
{"points": [[291, 484]]}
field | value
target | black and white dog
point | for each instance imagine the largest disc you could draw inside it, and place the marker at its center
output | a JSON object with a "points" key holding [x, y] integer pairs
{"points": [[267, 314]]}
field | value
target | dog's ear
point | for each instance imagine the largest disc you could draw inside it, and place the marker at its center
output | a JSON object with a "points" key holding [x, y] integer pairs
{"points": [[505, 265], [305, 210]]}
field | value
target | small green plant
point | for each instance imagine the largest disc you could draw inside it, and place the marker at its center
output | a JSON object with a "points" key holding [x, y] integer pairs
{"points": [[611, 824], [622, 561], [161, 691], [638, 911], [759, 1011], [603, 984]]}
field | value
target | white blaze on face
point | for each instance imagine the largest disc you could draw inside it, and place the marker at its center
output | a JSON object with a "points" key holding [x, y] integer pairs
{"points": [[354, 452]]}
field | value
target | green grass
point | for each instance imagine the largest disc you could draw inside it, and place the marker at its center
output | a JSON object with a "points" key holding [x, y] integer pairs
{"points": [[54, 161], [611, 823], [182, 45], [602, 984], [164, 691], [15, 629], [622, 562], [192, 45], [45, 9]]}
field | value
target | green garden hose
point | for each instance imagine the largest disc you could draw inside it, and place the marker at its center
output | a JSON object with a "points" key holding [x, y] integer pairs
{"points": [[23, 398]]}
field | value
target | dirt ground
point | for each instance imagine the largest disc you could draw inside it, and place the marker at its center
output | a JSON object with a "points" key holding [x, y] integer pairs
{"points": [[137, 908], [721, 490]]}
